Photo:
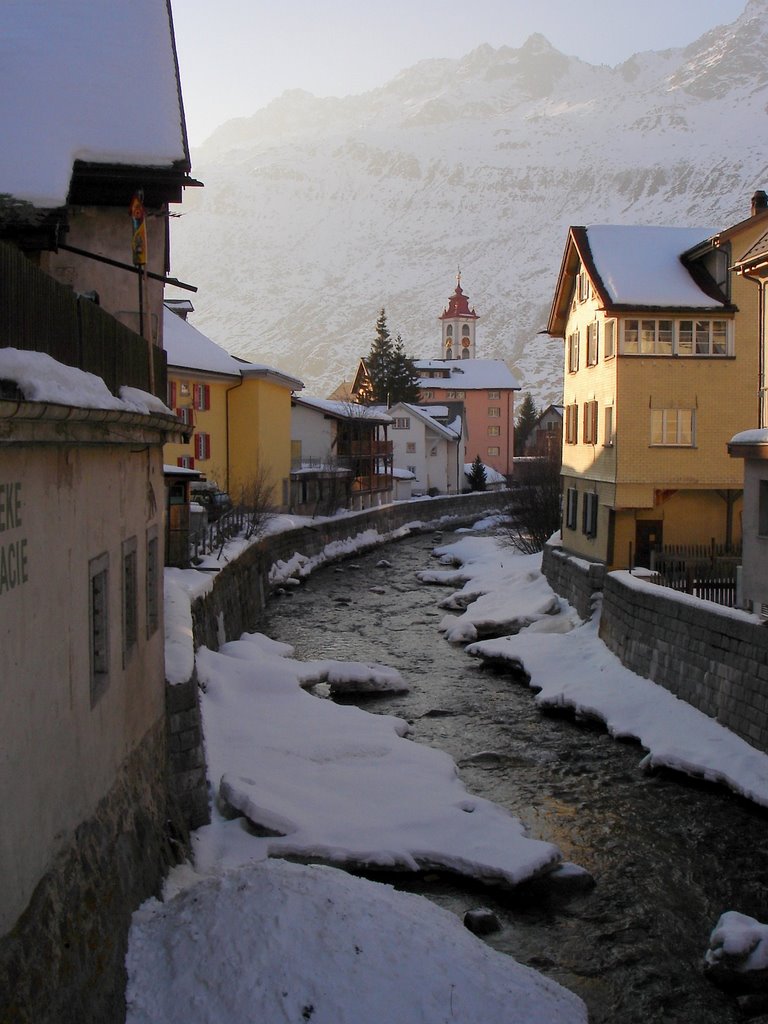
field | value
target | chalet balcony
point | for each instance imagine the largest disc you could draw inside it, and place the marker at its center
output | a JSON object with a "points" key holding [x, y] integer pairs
{"points": [[368, 448]]}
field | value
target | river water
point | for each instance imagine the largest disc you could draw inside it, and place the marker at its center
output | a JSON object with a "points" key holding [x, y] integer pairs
{"points": [[668, 856]]}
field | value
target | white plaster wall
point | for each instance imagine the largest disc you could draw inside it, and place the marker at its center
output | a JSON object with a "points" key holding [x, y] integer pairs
{"points": [[58, 755], [315, 432], [755, 547]]}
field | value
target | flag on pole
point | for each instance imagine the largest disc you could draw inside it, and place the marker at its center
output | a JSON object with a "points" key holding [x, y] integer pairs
{"points": [[139, 242]]}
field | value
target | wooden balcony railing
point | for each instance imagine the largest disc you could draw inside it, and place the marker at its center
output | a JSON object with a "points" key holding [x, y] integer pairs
{"points": [[39, 314]]}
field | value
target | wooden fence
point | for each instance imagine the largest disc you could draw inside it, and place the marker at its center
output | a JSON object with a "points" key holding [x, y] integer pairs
{"points": [[706, 571], [39, 314]]}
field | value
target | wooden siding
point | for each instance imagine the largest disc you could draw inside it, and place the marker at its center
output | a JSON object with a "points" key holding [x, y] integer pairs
{"points": [[37, 314]]}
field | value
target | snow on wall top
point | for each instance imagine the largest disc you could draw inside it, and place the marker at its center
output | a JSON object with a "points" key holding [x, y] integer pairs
{"points": [[91, 80], [641, 265]]}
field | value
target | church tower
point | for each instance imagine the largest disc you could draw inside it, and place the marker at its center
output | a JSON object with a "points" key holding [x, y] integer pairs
{"points": [[458, 326]]}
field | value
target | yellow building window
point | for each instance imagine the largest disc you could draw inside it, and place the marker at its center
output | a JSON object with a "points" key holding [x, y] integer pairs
{"points": [[673, 427]]}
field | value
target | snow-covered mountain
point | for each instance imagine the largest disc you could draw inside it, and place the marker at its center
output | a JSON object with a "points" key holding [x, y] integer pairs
{"points": [[318, 212]]}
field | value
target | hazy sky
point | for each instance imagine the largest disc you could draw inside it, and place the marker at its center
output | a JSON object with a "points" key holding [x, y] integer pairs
{"points": [[237, 55]]}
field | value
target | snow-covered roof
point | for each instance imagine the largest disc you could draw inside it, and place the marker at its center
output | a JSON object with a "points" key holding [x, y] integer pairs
{"points": [[87, 81], [188, 348], [757, 436], [467, 374], [492, 476], [640, 265], [450, 433], [344, 410]]}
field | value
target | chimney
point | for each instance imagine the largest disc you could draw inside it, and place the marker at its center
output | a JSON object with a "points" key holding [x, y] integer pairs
{"points": [[759, 202]]}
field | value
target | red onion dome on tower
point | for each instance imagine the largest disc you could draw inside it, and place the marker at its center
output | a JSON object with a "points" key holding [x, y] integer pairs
{"points": [[458, 304]]}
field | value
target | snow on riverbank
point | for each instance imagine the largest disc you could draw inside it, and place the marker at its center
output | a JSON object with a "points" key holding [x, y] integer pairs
{"points": [[242, 937], [571, 668], [288, 942], [338, 784]]}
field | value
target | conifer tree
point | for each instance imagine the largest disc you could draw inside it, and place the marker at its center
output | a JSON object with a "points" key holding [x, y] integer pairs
{"points": [[525, 422], [392, 374], [476, 475], [379, 362], [404, 377]]}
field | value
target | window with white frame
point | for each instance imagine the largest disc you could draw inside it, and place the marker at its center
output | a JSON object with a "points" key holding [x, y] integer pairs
{"points": [[202, 396], [582, 286], [592, 336], [98, 573], [661, 337], [202, 446], [187, 415], [494, 411], [589, 514], [573, 352], [401, 423], [428, 394], [590, 423], [456, 394], [609, 339], [608, 426], [494, 431], [571, 508], [493, 396], [674, 427], [185, 462], [572, 424], [494, 450]]}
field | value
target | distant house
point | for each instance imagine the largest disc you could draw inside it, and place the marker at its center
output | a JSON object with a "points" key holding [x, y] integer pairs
{"points": [[237, 414], [485, 387], [431, 450], [342, 457], [546, 437], [660, 359], [91, 120]]}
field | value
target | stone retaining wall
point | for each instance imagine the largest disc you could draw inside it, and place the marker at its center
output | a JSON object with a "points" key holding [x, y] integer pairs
{"points": [[240, 590], [186, 753], [573, 578], [711, 658], [64, 960]]}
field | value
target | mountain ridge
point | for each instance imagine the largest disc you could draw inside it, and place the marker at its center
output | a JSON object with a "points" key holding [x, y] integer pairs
{"points": [[318, 212]]}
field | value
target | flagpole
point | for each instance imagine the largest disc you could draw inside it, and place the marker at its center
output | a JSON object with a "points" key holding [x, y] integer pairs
{"points": [[139, 250]]}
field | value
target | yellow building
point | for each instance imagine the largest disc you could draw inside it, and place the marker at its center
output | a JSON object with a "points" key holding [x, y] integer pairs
{"points": [[238, 414], [661, 360]]}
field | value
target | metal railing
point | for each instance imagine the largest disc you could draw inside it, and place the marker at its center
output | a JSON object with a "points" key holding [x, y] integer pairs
{"points": [[706, 571], [212, 538]]}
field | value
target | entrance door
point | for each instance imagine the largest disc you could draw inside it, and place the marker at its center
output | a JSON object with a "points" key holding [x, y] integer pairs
{"points": [[648, 535]]}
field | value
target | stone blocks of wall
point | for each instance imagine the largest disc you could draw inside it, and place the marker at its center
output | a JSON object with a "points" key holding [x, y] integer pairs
{"points": [[64, 960], [714, 660], [235, 603], [575, 579], [187, 781]]}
